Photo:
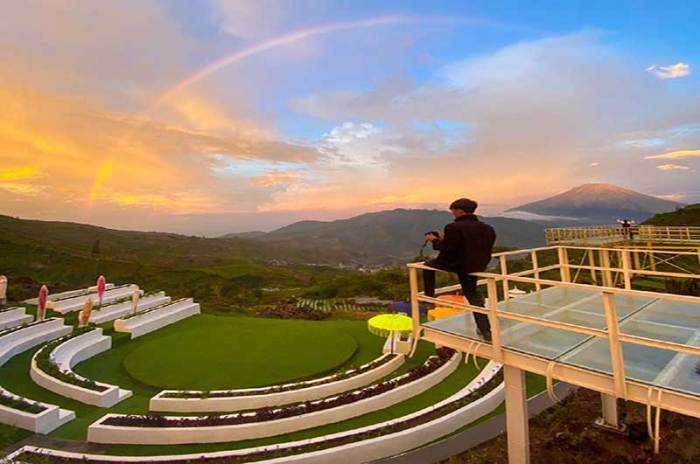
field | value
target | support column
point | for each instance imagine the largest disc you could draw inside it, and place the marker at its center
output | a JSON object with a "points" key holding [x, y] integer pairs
{"points": [[637, 262], [610, 419], [605, 263], [652, 260], [591, 263], [564, 271], [518, 434], [626, 274]]}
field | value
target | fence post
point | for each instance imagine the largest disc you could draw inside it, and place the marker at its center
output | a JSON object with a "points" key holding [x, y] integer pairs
{"points": [[564, 270], [536, 269], [504, 272], [492, 291], [415, 307]]}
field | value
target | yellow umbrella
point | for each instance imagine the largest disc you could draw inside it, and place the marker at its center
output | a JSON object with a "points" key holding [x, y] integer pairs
{"points": [[386, 325]]}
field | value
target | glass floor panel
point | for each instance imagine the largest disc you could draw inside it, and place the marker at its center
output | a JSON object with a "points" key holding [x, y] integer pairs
{"points": [[642, 363], [671, 313], [460, 324], [624, 304], [652, 318], [537, 340], [556, 297]]}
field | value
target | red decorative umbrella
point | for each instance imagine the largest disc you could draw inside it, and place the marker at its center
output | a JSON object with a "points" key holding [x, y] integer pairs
{"points": [[41, 304], [101, 283]]}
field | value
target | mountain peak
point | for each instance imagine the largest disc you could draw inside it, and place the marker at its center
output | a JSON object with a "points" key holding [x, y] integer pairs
{"points": [[599, 202]]}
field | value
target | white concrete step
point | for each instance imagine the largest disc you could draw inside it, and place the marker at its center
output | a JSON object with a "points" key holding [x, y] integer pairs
{"points": [[156, 318], [13, 317], [115, 311]]}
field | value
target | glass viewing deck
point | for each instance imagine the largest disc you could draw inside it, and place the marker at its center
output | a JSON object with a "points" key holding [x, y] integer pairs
{"points": [[642, 316], [614, 320]]}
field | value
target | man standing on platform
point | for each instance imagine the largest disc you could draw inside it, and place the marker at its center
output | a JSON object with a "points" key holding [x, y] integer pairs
{"points": [[465, 246]]}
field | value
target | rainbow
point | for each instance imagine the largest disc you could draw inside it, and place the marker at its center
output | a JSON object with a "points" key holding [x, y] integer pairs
{"points": [[261, 47], [276, 42]]}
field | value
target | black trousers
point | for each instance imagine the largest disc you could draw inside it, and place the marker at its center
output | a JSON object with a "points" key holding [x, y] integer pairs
{"points": [[468, 283]]}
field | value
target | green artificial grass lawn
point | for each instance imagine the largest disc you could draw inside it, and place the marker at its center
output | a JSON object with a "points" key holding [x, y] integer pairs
{"points": [[109, 366], [213, 352]]}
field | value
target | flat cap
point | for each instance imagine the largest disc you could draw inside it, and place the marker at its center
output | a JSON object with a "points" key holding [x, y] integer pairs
{"points": [[465, 204]]}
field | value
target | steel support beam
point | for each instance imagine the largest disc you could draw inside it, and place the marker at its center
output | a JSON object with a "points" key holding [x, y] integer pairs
{"points": [[517, 428]]}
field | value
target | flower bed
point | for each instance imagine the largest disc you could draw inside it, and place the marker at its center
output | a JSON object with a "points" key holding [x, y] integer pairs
{"points": [[281, 388], [268, 414], [384, 431], [20, 404], [290, 311], [47, 365]]}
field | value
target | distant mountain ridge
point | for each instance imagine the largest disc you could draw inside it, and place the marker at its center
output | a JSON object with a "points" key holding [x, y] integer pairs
{"points": [[599, 203], [386, 237]]}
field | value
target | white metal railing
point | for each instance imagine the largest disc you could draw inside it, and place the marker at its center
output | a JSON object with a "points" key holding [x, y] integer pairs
{"points": [[612, 233]]}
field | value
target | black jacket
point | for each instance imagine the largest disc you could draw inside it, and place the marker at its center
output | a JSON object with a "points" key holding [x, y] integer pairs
{"points": [[467, 245]]}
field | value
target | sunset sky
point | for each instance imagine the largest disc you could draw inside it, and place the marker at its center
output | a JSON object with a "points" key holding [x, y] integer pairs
{"points": [[208, 117]]}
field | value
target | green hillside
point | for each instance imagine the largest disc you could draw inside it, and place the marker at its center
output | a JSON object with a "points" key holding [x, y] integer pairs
{"points": [[387, 237], [223, 273], [686, 216]]}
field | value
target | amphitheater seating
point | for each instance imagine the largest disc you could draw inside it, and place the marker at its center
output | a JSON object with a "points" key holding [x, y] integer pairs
{"points": [[115, 311], [156, 318], [12, 317], [68, 305], [16, 342], [66, 356]]}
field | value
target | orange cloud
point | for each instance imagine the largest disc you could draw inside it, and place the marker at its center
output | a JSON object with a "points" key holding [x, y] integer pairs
{"points": [[72, 151]]}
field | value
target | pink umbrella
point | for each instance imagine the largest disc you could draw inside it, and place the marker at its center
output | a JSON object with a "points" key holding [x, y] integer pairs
{"points": [[101, 287], [43, 298]]}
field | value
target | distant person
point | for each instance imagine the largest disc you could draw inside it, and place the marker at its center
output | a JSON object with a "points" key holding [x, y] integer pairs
{"points": [[465, 247], [626, 228]]}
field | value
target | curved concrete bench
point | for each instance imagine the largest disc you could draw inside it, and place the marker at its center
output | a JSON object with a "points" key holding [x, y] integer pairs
{"points": [[76, 303], [101, 433], [308, 391], [116, 310], [157, 318], [22, 339], [15, 343], [12, 317], [70, 294], [66, 356], [359, 451]]}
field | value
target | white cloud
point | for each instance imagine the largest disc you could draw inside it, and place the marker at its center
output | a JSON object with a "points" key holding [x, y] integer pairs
{"points": [[671, 71], [595, 164], [672, 167], [353, 144], [677, 154], [250, 19], [679, 197]]}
